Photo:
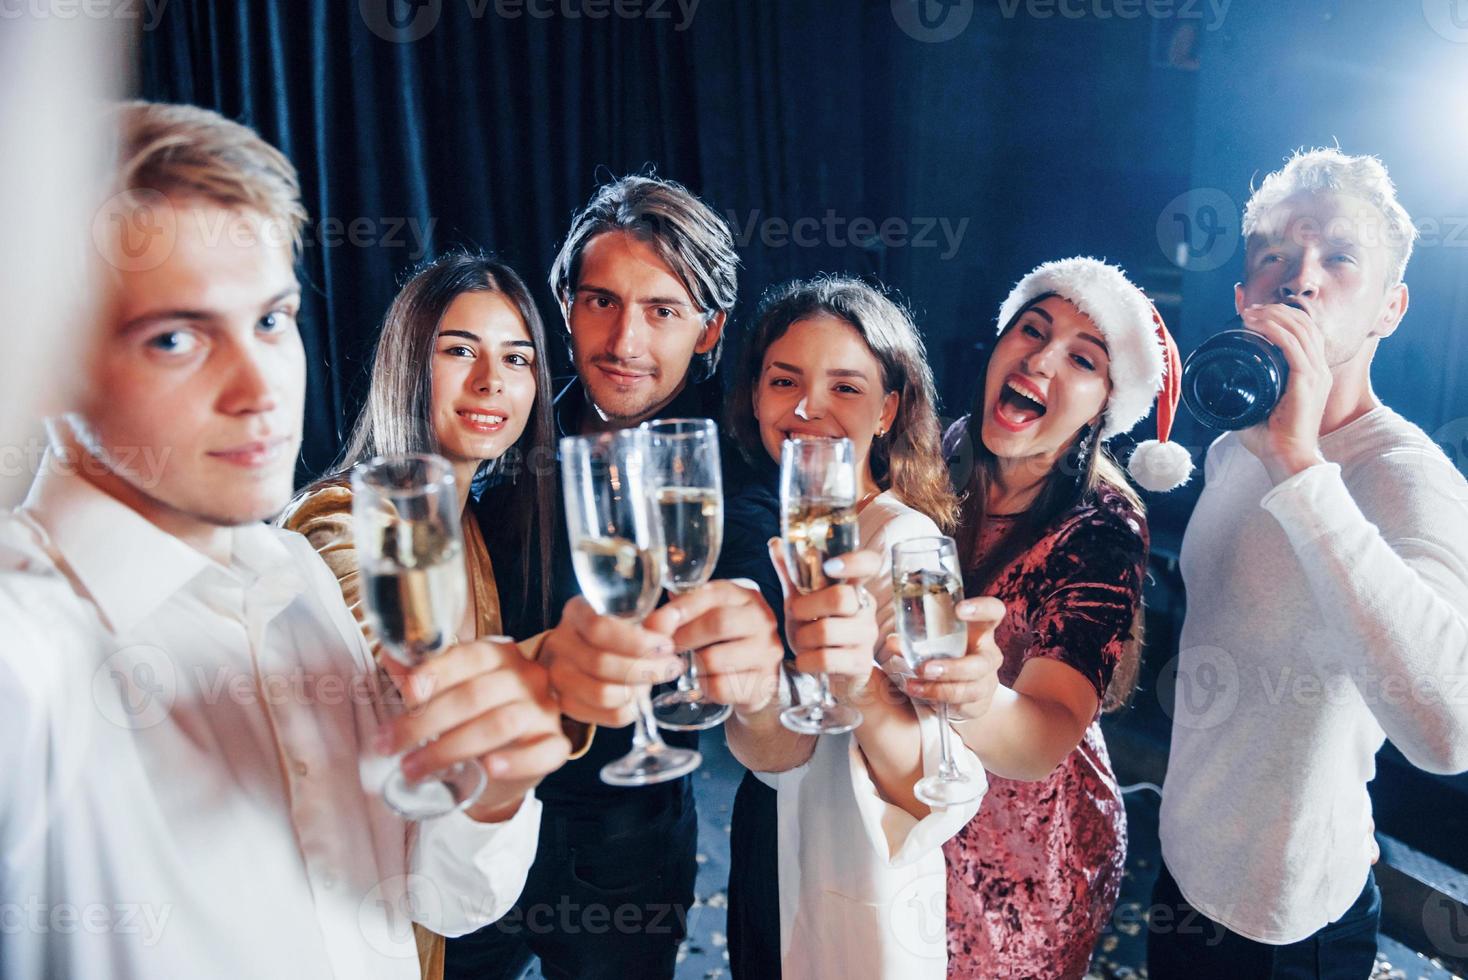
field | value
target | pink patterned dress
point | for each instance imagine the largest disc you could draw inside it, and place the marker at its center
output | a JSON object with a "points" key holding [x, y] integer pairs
{"points": [[1034, 876]]}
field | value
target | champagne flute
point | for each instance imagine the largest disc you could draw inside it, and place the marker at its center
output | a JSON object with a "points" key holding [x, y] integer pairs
{"points": [[817, 522], [617, 552], [689, 490], [410, 554], [927, 587]]}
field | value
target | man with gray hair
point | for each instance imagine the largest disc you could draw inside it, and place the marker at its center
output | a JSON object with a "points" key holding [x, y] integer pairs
{"points": [[1326, 567]]}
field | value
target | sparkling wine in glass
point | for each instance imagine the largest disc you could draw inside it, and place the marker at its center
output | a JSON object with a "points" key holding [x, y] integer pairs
{"points": [[688, 490], [818, 490], [927, 588], [617, 552], [410, 555]]}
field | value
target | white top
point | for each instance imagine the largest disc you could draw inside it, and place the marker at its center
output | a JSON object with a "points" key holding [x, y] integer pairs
{"points": [[863, 886], [179, 752], [1323, 615]]}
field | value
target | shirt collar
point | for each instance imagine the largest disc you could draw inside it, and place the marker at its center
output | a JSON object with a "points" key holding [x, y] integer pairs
{"points": [[127, 565]]}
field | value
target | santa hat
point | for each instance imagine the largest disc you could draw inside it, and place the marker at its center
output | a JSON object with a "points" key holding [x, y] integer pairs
{"points": [[1144, 360]]}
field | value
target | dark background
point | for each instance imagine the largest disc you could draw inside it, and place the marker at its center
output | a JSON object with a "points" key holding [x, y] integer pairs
{"points": [[1031, 134], [1027, 131]]}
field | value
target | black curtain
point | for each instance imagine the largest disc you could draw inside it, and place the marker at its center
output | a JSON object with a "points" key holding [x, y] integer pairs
{"points": [[489, 131]]}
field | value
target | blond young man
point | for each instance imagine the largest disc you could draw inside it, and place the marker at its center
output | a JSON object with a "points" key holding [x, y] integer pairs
{"points": [[1327, 574], [187, 698]]}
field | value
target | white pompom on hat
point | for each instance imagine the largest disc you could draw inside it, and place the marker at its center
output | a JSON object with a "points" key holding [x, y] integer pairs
{"points": [[1143, 358]]}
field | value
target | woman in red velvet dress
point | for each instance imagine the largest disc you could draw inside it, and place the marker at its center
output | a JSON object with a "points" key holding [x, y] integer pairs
{"points": [[1052, 527]]}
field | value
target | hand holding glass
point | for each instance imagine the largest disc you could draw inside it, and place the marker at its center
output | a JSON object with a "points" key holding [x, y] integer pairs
{"points": [[617, 551], [817, 522], [927, 587], [410, 555], [689, 490]]}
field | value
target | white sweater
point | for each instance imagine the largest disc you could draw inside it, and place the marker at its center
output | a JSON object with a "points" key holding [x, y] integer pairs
{"points": [[1324, 615], [863, 885]]}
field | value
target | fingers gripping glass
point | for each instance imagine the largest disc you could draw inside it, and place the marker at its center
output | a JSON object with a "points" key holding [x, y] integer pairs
{"points": [[688, 491], [817, 522], [927, 587], [617, 552], [410, 555]]}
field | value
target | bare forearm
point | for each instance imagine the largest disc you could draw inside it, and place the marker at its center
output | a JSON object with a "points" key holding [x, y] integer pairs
{"points": [[1021, 737], [762, 744], [891, 741]]}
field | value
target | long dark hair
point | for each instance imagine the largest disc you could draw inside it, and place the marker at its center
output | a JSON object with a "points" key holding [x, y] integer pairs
{"points": [[398, 416], [907, 460], [1066, 487]]}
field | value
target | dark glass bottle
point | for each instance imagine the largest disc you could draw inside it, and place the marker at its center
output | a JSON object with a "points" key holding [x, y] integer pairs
{"points": [[1234, 379]]}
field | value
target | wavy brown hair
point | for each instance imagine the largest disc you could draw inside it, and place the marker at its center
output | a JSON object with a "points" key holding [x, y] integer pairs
{"points": [[1065, 487], [906, 460], [398, 416]]}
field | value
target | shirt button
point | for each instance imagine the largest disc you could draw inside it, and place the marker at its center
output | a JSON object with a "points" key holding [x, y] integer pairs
{"points": [[301, 768]]}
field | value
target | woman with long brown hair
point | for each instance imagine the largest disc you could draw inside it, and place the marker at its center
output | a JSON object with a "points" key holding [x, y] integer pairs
{"points": [[843, 835], [460, 370], [1052, 528]]}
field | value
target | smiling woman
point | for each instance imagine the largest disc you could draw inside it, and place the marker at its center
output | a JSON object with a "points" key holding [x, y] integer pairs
{"points": [[836, 357], [460, 371]]}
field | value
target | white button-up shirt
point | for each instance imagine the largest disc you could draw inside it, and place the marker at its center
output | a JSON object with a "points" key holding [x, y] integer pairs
{"points": [[180, 765]]}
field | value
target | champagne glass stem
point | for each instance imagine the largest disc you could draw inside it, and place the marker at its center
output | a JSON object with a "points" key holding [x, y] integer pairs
{"points": [[827, 699], [946, 768], [645, 727], [689, 680]]}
